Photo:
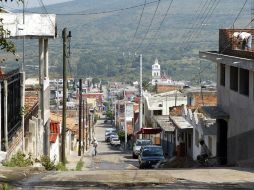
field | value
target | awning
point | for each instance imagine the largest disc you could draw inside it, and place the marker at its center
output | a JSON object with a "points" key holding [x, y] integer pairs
{"points": [[181, 122], [149, 131]]}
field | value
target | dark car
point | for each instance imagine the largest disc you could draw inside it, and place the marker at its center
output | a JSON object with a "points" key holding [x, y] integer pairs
{"points": [[137, 146], [150, 155]]}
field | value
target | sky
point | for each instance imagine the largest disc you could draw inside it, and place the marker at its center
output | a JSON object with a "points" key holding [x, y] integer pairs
{"points": [[29, 3]]}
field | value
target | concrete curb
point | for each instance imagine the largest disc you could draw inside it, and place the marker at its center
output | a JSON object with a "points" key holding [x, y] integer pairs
{"points": [[14, 174]]}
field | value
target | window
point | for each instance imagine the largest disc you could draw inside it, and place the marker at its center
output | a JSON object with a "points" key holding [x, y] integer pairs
{"points": [[157, 112], [222, 75], [244, 82], [196, 137], [234, 78]]}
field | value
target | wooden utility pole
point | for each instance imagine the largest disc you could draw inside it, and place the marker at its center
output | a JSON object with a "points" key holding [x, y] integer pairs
{"points": [[80, 116], [64, 36], [86, 126], [83, 128], [89, 128]]}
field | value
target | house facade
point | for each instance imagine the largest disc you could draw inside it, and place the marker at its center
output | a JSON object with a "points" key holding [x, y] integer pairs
{"points": [[235, 86]]}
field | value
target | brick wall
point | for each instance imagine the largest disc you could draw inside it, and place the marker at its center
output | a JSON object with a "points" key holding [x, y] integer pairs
{"points": [[227, 45], [160, 88]]}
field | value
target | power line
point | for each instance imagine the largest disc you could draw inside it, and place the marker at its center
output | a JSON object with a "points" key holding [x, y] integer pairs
{"points": [[206, 13], [199, 16], [103, 12], [157, 31], [206, 18], [239, 13], [148, 29], [134, 36]]}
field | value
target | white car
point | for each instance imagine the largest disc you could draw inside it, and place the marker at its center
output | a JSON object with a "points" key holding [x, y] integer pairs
{"points": [[115, 141]]}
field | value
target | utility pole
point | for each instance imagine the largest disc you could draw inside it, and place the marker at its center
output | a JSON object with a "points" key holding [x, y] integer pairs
{"points": [[80, 115], [65, 39], [125, 125], [83, 128], [86, 126], [89, 128], [141, 95]]}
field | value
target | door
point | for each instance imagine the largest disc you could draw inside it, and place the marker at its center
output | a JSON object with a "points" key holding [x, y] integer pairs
{"points": [[222, 136]]}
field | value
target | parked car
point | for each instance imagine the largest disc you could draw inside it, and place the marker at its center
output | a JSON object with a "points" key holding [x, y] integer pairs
{"points": [[150, 155], [138, 144], [110, 130], [107, 136], [115, 141], [113, 136]]}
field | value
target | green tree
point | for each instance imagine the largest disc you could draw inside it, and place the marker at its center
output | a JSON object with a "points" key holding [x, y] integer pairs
{"points": [[6, 44], [95, 81]]}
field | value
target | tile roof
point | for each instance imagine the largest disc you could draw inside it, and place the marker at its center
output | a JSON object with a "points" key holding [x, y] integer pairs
{"points": [[31, 98]]}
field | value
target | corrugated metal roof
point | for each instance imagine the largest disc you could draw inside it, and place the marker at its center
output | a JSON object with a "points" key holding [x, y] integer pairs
{"points": [[164, 123], [181, 122]]}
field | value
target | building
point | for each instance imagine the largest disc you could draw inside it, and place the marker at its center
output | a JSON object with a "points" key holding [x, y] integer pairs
{"points": [[235, 88], [41, 27], [11, 112]]}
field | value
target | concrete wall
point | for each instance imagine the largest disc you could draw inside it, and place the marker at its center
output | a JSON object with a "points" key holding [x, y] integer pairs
{"points": [[54, 151], [241, 122]]}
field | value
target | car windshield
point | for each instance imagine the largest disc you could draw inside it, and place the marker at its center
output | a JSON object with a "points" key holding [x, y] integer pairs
{"points": [[142, 143], [152, 151]]}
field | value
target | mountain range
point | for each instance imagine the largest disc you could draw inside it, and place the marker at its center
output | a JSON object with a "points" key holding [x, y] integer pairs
{"points": [[106, 43]]}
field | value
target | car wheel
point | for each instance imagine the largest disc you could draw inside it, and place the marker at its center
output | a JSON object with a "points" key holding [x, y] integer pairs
{"points": [[140, 166], [133, 155]]}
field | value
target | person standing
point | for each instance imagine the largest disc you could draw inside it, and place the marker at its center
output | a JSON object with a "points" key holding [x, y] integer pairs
{"points": [[95, 145], [205, 152], [245, 38]]}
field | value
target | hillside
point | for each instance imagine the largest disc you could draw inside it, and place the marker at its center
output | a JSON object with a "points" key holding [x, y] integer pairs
{"points": [[100, 40]]}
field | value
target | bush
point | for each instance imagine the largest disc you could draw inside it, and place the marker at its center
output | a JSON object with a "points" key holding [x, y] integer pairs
{"points": [[61, 167], [80, 165], [121, 135], [5, 186], [47, 163], [19, 160]]}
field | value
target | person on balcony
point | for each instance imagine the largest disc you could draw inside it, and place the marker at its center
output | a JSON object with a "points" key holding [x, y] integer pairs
{"points": [[245, 38]]}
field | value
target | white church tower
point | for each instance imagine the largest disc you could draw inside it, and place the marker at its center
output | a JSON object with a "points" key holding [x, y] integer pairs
{"points": [[156, 72]]}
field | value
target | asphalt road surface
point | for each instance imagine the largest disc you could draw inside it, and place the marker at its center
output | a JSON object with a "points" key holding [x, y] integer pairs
{"points": [[114, 168]]}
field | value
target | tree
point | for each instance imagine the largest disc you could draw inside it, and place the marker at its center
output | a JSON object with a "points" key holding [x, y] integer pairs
{"points": [[95, 81], [6, 44]]}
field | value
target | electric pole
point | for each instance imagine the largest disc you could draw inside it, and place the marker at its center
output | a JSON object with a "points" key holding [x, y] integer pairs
{"points": [[86, 126], [65, 56], [64, 36], [80, 115], [141, 94], [83, 128]]}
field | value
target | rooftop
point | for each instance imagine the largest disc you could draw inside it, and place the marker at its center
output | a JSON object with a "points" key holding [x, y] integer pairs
{"points": [[164, 123]]}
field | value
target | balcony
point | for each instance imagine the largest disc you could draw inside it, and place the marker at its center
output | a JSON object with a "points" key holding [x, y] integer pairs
{"points": [[229, 46]]}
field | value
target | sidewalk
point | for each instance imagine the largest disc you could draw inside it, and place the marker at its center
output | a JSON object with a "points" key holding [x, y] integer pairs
{"points": [[73, 160]]}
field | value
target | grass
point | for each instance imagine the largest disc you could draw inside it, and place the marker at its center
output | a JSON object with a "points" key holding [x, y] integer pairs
{"points": [[6, 186], [80, 165], [61, 167]]}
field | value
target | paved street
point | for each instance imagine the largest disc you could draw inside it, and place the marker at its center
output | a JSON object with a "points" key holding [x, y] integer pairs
{"points": [[108, 157], [113, 168]]}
